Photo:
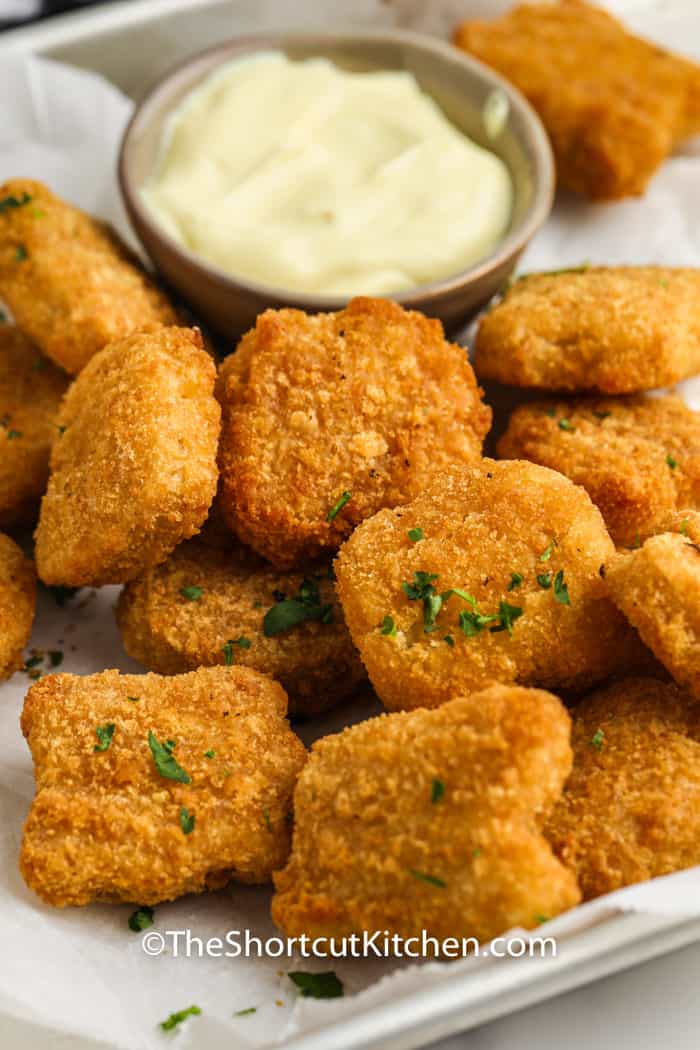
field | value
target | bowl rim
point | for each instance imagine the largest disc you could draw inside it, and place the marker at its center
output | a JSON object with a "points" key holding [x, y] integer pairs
{"points": [[443, 50]]}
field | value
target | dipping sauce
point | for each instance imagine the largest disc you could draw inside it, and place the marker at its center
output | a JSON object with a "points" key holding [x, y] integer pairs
{"points": [[302, 176]]}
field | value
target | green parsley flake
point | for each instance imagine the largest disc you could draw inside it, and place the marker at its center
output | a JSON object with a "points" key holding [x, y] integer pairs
{"points": [[507, 615], [450, 640], [673, 463], [21, 253], [11, 202], [12, 434], [476, 853], [165, 763], [178, 1017], [289, 612], [561, 589], [317, 985], [210, 753], [547, 552], [186, 820], [545, 580], [227, 648], [474, 622], [551, 412], [423, 590], [134, 699], [602, 415], [684, 527], [438, 792], [32, 661], [598, 739], [388, 627], [516, 579], [104, 735], [55, 657], [338, 506], [266, 818], [566, 424], [141, 919], [432, 880], [244, 1013], [540, 919], [192, 593], [415, 535]]}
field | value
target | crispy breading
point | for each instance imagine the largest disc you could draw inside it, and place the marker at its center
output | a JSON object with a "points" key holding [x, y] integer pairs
{"points": [[315, 661], [614, 105], [658, 589], [17, 604], [69, 281], [513, 591], [369, 401], [31, 388], [631, 807], [107, 825], [638, 457], [134, 470], [685, 521], [616, 330], [431, 821]]}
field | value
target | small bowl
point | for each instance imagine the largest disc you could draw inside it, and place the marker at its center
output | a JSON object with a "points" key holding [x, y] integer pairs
{"points": [[458, 83]]}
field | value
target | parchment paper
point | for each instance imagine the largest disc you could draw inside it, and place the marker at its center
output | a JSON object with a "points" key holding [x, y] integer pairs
{"points": [[82, 971]]}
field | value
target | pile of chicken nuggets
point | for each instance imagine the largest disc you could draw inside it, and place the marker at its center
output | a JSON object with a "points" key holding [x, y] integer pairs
{"points": [[316, 511]]}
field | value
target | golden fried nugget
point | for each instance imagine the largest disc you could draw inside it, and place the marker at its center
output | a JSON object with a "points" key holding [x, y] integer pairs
{"points": [[31, 388], [503, 586], [134, 471], [617, 330], [327, 418], [638, 457], [686, 522], [614, 105], [631, 807], [150, 787], [209, 604], [431, 821], [658, 589], [71, 284], [17, 604]]}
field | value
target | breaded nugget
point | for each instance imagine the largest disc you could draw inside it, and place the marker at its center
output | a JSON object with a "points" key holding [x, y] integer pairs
{"points": [[431, 821], [614, 105], [658, 589], [134, 470], [209, 604], [686, 522], [631, 807], [503, 586], [617, 330], [327, 418], [71, 284], [150, 787], [31, 388], [17, 604], [638, 457]]}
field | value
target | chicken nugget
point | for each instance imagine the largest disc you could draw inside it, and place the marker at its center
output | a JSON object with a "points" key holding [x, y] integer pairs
{"points": [[658, 589], [31, 388], [210, 604], [150, 787], [616, 330], [328, 418], [134, 470], [631, 808], [17, 605], [431, 821], [493, 575], [638, 458], [614, 105], [69, 281]]}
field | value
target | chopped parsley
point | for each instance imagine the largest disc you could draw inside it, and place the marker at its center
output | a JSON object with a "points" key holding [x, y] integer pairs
{"points": [[141, 919], [388, 627], [134, 699], [540, 919], [507, 615], [32, 661], [338, 505], [288, 612], [566, 424], [12, 434], [192, 593], [227, 648], [561, 589], [423, 590], [266, 818], [55, 657], [178, 1017], [432, 880], [186, 820], [21, 253], [438, 791], [166, 764], [450, 640], [673, 463], [551, 412], [11, 202], [545, 580], [211, 753], [516, 579], [684, 527], [598, 739], [547, 552], [602, 415], [317, 985], [474, 622], [104, 734], [415, 535], [244, 1013], [476, 852]]}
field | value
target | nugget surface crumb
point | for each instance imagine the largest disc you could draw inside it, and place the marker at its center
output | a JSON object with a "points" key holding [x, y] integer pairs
{"points": [[431, 821], [631, 808], [328, 418], [504, 586], [609, 131], [193, 788], [31, 388], [134, 470], [638, 458], [658, 589], [70, 282], [616, 330], [208, 602], [17, 605]]}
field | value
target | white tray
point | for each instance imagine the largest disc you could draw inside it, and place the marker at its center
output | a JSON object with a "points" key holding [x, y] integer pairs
{"points": [[132, 43]]}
